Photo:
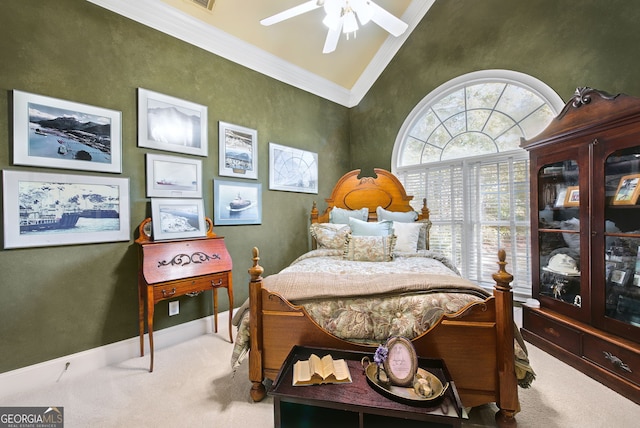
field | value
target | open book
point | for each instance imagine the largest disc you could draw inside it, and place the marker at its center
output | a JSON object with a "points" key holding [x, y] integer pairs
{"points": [[316, 371]]}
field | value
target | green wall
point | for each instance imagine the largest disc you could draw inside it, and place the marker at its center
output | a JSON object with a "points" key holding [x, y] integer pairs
{"points": [[564, 43], [61, 300]]}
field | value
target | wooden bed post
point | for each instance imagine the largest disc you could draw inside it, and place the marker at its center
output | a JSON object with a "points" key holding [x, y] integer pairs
{"points": [[425, 211], [258, 391], [507, 399]]}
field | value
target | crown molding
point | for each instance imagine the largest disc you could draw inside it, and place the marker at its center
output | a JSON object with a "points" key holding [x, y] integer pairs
{"points": [[164, 18]]}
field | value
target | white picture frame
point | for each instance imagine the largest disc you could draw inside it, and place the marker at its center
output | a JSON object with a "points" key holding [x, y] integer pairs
{"points": [[292, 170], [171, 124], [64, 134], [173, 176], [238, 151], [43, 209], [177, 218]]}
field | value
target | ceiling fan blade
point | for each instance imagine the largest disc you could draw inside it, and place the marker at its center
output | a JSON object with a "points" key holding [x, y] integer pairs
{"points": [[386, 20], [290, 13], [331, 42]]}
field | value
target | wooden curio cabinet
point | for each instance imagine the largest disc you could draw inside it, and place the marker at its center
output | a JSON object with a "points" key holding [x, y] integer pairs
{"points": [[585, 234]]}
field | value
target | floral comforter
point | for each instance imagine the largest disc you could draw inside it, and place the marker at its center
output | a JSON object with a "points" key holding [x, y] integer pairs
{"points": [[374, 318]]}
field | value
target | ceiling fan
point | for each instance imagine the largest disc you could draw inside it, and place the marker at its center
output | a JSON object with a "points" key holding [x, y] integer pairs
{"points": [[341, 17]]}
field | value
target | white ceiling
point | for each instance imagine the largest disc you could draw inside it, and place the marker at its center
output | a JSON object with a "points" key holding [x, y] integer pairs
{"points": [[290, 51]]}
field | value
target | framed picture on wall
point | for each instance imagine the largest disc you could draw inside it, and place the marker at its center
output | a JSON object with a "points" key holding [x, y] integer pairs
{"points": [[237, 202], [171, 124], [43, 209], [65, 134], [177, 218], [173, 176], [292, 170], [238, 148]]}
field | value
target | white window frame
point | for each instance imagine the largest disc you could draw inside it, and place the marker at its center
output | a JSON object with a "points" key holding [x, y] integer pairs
{"points": [[522, 286]]}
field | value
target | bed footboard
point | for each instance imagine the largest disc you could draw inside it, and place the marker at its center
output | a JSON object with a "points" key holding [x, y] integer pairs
{"points": [[476, 343]]}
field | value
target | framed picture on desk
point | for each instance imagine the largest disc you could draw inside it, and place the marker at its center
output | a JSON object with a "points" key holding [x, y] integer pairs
{"points": [[177, 218]]}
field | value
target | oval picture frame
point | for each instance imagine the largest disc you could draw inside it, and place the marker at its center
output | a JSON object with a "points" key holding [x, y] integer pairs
{"points": [[401, 363]]}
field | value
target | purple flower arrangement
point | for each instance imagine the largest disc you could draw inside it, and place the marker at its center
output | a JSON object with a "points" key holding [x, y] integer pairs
{"points": [[381, 355]]}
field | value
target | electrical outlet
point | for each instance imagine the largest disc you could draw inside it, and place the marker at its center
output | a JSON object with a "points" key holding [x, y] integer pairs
{"points": [[174, 308]]}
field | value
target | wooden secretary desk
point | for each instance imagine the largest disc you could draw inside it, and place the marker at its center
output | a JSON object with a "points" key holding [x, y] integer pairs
{"points": [[168, 269]]}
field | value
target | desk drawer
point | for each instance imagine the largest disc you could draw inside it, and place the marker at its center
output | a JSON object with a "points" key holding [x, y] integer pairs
{"points": [[190, 285], [616, 359]]}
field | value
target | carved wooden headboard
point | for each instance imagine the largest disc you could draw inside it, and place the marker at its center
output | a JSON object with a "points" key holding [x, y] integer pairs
{"points": [[353, 193]]}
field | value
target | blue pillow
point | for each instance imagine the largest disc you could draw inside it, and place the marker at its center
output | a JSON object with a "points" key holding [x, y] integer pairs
{"points": [[363, 228], [342, 216], [403, 217]]}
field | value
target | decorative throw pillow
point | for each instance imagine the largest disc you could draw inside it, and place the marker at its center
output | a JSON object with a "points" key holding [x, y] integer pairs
{"points": [[369, 248], [407, 236], [328, 235], [342, 216], [405, 217], [364, 228]]}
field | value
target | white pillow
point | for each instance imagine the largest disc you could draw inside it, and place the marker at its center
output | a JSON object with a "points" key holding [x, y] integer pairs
{"points": [[407, 235], [406, 217]]}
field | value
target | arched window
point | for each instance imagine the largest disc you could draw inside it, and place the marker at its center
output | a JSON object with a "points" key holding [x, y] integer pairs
{"points": [[460, 149]]}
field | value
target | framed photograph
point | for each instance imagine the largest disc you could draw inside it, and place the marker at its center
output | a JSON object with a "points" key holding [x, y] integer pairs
{"points": [[562, 195], [292, 170], [237, 202], [172, 124], [56, 209], [628, 190], [64, 134], [238, 151], [618, 276], [572, 198], [177, 218], [173, 177], [401, 363]]}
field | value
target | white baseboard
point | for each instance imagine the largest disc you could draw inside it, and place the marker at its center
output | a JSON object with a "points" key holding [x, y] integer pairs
{"points": [[81, 363]]}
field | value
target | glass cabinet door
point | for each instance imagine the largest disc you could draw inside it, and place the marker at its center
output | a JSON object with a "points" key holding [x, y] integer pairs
{"points": [[559, 232], [622, 240]]}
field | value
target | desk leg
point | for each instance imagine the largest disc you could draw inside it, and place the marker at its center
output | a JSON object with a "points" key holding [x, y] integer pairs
{"points": [[141, 301], [150, 309], [215, 309], [230, 294]]}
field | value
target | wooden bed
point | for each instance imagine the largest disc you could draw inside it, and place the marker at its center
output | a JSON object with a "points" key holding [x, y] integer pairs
{"points": [[477, 343]]}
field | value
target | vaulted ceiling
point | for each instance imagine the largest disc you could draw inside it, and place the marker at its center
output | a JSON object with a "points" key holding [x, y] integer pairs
{"points": [[290, 51]]}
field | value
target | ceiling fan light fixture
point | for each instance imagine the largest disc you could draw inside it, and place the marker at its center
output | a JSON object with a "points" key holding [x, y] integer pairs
{"points": [[350, 25]]}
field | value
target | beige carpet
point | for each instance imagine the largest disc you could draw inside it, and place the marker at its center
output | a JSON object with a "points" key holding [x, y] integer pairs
{"points": [[193, 386]]}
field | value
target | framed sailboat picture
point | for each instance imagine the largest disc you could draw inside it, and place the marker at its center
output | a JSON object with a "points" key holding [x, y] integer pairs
{"points": [[237, 202], [43, 209]]}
